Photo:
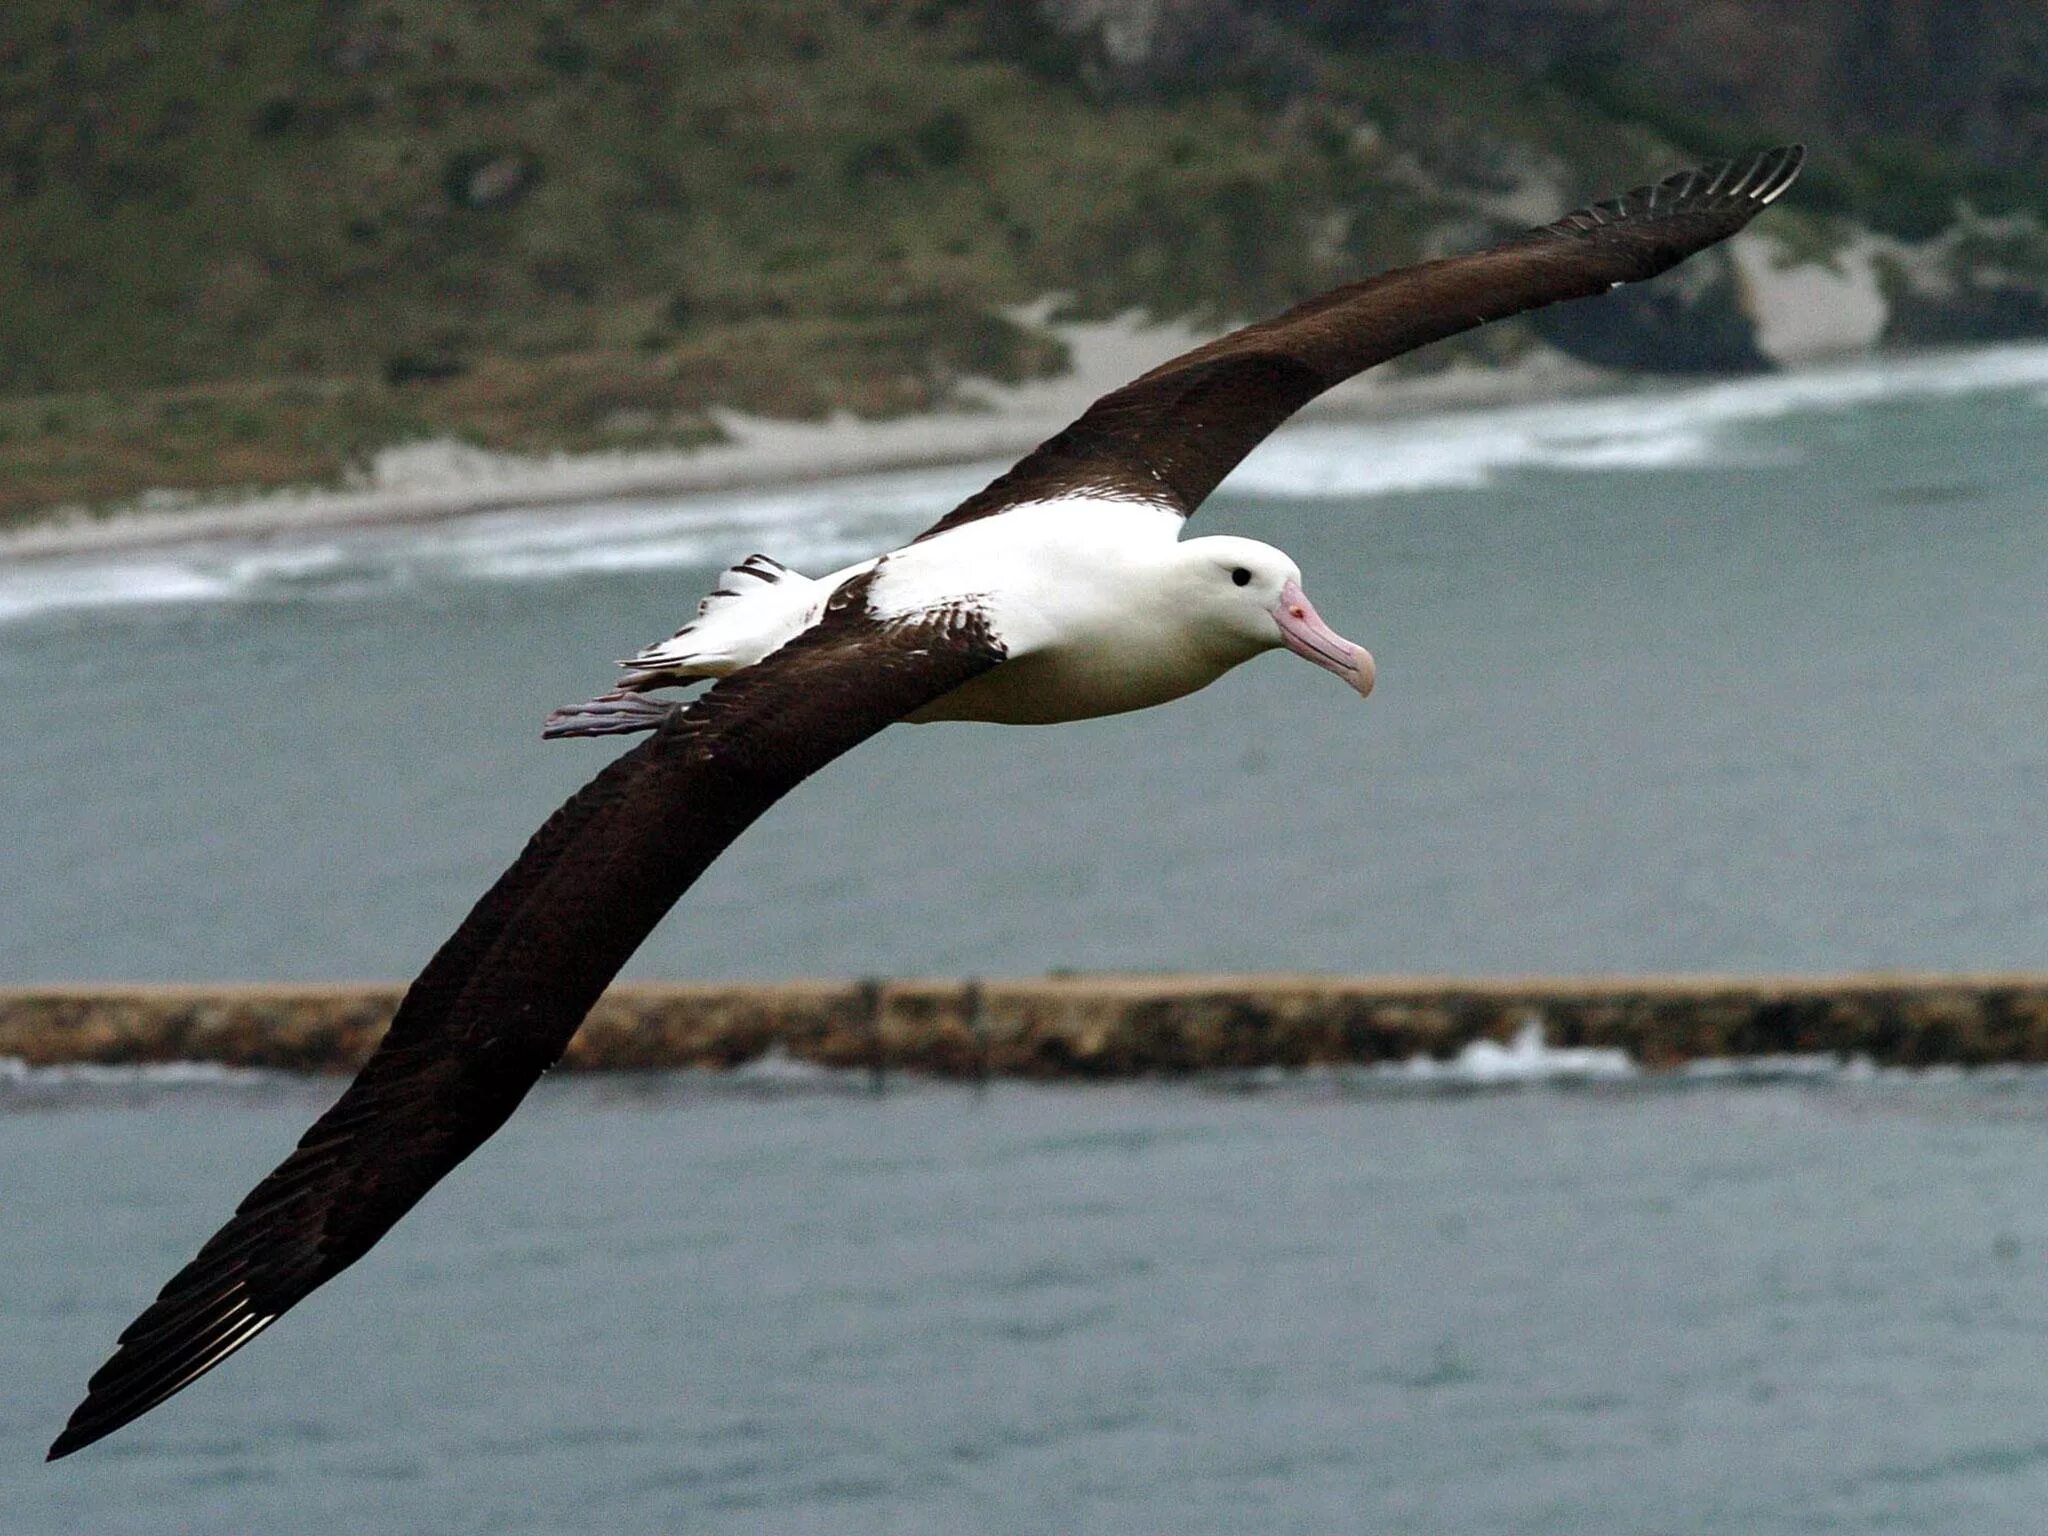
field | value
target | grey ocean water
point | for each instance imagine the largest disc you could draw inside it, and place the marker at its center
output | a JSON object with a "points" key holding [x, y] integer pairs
{"points": [[664, 1306], [1745, 676]]}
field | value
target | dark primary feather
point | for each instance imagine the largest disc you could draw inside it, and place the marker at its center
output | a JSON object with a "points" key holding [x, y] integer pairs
{"points": [[496, 1007], [1171, 435]]}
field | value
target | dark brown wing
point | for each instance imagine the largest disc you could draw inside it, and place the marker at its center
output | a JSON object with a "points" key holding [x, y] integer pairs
{"points": [[1171, 435], [497, 1006]]}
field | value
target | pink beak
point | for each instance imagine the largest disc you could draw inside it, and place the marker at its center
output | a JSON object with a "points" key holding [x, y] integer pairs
{"points": [[1303, 632]]}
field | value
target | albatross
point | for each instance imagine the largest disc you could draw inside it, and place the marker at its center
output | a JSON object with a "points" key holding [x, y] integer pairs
{"points": [[1063, 590]]}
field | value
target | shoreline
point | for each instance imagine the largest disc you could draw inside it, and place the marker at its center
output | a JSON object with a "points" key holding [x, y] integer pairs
{"points": [[1094, 1026], [433, 481], [1803, 317]]}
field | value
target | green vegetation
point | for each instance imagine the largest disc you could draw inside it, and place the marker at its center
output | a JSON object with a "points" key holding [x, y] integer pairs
{"points": [[243, 244]]}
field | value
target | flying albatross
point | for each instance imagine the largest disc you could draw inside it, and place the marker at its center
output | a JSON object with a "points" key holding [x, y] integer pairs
{"points": [[1060, 592]]}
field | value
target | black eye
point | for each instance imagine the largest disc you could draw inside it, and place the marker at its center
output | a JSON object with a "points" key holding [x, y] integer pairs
{"points": [[1241, 576]]}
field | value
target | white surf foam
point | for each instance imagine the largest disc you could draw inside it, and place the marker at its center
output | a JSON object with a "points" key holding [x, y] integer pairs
{"points": [[775, 1070], [814, 527], [16, 1073], [814, 531], [813, 534], [41, 589], [1528, 1058]]}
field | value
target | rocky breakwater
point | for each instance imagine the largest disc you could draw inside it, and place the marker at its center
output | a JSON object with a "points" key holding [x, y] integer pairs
{"points": [[1086, 1026]]}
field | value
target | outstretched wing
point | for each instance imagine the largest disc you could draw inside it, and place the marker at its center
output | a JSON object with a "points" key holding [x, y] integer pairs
{"points": [[1171, 435], [497, 1006]]}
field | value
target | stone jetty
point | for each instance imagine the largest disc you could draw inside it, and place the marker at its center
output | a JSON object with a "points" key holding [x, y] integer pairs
{"points": [[1085, 1026]]}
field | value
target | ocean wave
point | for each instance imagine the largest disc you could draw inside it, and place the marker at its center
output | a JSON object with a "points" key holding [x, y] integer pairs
{"points": [[824, 524], [1646, 430], [108, 584], [813, 527], [17, 1075], [1527, 1059]]}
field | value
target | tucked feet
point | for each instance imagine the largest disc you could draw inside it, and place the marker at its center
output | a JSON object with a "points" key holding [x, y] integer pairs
{"points": [[610, 714]]}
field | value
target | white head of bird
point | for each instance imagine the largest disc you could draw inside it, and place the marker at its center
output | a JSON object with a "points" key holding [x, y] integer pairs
{"points": [[1252, 592]]}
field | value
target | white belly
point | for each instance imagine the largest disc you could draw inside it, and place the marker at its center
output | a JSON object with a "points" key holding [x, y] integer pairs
{"points": [[1047, 690]]}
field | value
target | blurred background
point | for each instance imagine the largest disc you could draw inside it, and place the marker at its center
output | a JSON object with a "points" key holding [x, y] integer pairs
{"points": [[371, 374]]}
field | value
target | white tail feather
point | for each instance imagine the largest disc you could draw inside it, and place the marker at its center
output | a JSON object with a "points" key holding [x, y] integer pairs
{"points": [[754, 608]]}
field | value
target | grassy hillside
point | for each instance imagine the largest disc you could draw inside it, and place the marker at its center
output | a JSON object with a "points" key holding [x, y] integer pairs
{"points": [[245, 243]]}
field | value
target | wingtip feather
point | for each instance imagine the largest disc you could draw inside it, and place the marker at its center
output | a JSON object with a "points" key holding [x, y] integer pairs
{"points": [[124, 1389], [1657, 225], [1745, 184], [1790, 157]]}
